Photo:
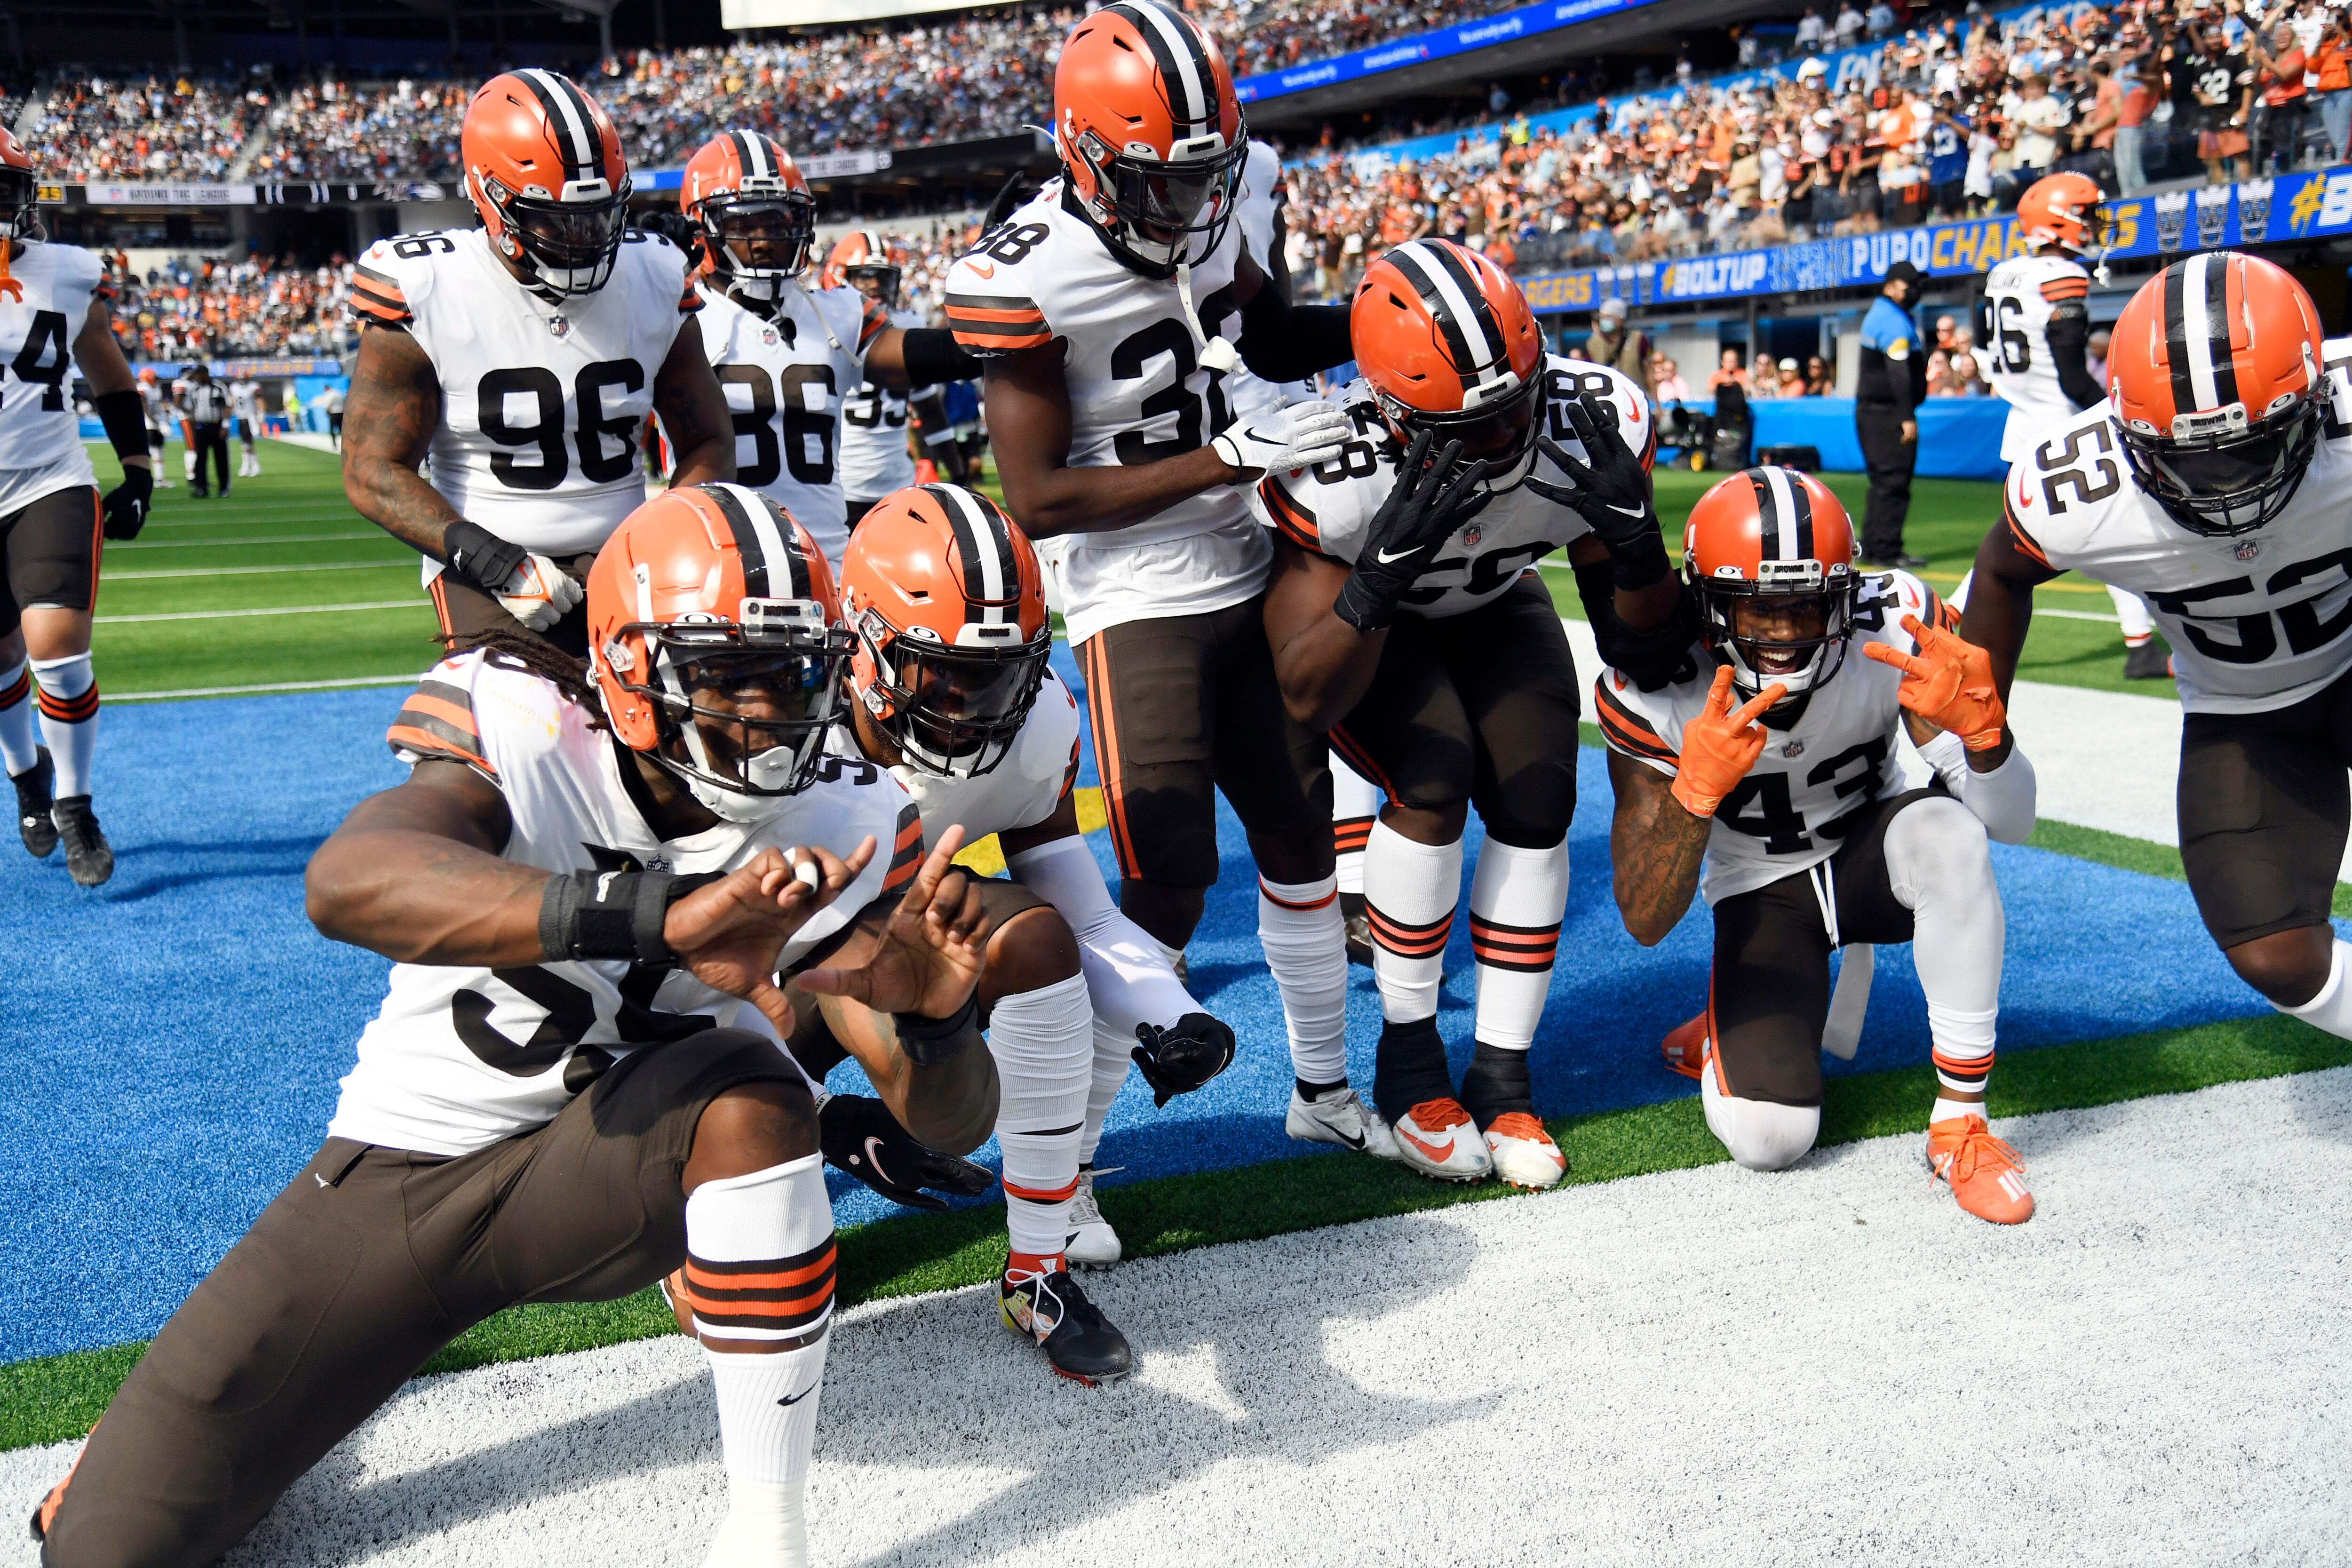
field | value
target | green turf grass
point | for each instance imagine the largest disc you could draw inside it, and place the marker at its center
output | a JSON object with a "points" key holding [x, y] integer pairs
{"points": [[58, 1397]]}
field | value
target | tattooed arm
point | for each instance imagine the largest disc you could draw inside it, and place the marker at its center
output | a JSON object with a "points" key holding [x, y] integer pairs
{"points": [[693, 410], [388, 424], [1655, 849]]}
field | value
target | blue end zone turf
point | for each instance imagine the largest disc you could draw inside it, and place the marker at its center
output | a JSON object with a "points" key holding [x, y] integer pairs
{"points": [[173, 1039]]}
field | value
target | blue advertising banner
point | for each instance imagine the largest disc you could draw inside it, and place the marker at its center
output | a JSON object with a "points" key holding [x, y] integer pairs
{"points": [[1482, 34], [2252, 212]]}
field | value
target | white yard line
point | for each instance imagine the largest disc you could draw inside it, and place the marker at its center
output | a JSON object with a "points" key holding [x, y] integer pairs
{"points": [[409, 564], [279, 610], [222, 544], [266, 686], [1829, 1365]]}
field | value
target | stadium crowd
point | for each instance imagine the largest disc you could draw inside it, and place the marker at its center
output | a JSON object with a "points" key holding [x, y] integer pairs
{"points": [[206, 309], [186, 129]]}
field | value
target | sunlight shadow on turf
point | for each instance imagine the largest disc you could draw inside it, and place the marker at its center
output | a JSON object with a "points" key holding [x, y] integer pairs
{"points": [[213, 863]]}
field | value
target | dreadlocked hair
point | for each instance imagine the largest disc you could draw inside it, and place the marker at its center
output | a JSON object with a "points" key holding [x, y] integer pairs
{"points": [[533, 655]]}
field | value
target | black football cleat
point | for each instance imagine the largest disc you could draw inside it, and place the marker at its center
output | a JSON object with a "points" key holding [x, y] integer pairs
{"points": [[1079, 1343], [33, 804], [1357, 914], [88, 856], [2147, 662]]}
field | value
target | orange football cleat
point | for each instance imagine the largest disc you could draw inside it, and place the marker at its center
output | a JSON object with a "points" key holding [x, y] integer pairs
{"points": [[1523, 1152], [1686, 1049], [1438, 1139], [1984, 1174]]}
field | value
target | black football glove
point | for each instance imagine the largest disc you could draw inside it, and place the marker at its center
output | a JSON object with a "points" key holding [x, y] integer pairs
{"points": [[1428, 502], [1181, 1058], [127, 503], [678, 229], [1612, 494], [859, 1136]]}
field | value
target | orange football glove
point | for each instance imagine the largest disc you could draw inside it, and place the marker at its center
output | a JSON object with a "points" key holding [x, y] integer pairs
{"points": [[1949, 682], [1721, 744]]}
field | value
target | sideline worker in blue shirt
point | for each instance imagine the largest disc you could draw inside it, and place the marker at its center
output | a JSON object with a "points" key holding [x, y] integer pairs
{"points": [[1893, 385]]}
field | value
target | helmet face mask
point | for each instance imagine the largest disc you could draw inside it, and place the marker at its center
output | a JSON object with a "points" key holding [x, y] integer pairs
{"points": [[20, 216], [956, 711], [758, 242], [569, 246], [878, 283], [2235, 481], [1796, 637], [1500, 432], [1163, 213]]}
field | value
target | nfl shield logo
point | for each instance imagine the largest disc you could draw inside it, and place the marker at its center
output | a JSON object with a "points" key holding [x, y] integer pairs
{"points": [[1793, 749], [1472, 535], [2249, 548], [769, 335], [560, 325]]}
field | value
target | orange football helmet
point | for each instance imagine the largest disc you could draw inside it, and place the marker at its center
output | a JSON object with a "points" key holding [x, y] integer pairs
{"points": [[545, 171], [2214, 373], [757, 217], [19, 189], [1449, 345], [947, 603], [860, 261], [1777, 535], [714, 639], [2065, 210], [1150, 132]]}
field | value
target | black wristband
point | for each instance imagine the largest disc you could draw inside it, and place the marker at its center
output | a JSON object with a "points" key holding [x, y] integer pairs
{"points": [[125, 418], [610, 914], [479, 557], [1367, 609], [933, 355], [928, 1042], [1637, 564]]}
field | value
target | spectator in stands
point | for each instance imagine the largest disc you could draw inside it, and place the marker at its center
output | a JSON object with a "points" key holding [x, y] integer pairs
{"points": [[2093, 137], [2142, 93], [1812, 32], [2279, 70], [1819, 380], [1667, 383], [1614, 345], [1731, 370], [2223, 80], [2331, 61]]}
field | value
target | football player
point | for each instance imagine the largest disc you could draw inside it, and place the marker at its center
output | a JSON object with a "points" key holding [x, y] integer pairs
{"points": [[523, 357], [1791, 806], [53, 316], [245, 402], [152, 397], [2037, 324], [875, 460], [589, 884], [1408, 621], [1108, 309], [949, 690], [2212, 483], [788, 357]]}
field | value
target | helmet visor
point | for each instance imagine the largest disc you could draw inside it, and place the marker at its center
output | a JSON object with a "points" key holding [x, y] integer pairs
{"points": [[876, 282], [960, 709], [750, 719], [1164, 201], [569, 236], [1502, 434], [18, 189], [2229, 484], [761, 236]]}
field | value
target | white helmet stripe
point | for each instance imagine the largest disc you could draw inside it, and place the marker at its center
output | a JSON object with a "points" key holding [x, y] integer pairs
{"points": [[991, 581], [1180, 61], [569, 118], [1781, 541], [1437, 281], [2199, 332], [751, 150]]}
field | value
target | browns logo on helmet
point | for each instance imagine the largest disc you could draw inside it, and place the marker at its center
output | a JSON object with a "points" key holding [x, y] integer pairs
{"points": [[714, 642], [860, 261], [1150, 133], [1769, 557], [2068, 210], [2214, 374], [1449, 345], [945, 599], [545, 171], [757, 217]]}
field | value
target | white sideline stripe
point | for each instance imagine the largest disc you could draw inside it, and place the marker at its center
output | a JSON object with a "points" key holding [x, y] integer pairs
{"points": [[311, 439], [409, 565], [1792, 1331], [219, 543], [263, 686], [276, 610]]}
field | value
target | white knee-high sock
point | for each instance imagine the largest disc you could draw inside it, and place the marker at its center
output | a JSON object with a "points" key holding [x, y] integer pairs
{"points": [[2332, 1009], [1042, 1041], [1112, 1062], [1410, 890], [759, 1278], [1130, 974], [1938, 867], [1355, 806], [68, 719], [2132, 611], [18, 747], [1517, 898], [1306, 942]]}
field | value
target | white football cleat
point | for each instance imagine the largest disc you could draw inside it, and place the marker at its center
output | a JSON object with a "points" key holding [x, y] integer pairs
{"points": [[1337, 1116], [1091, 1242], [1523, 1152], [1438, 1139]]}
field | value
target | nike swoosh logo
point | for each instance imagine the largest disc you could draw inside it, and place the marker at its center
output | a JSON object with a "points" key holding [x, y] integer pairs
{"points": [[874, 1157], [983, 268], [1437, 1152], [796, 1398], [1356, 1142], [1633, 511], [1385, 559]]}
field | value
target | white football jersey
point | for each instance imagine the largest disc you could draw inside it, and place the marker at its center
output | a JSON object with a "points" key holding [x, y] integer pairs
{"points": [[158, 402], [784, 380], [460, 1057], [2256, 622], [1837, 755], [40, 434], [875, 457], [1138, 394], [1022, 791], [2020, 294], [245, 401], [1261, 204], [541, 401], [1329, 509]]}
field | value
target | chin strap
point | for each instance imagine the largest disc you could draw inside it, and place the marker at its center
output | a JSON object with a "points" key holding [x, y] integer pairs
{"points": [[1213, 353], [827, 326]]}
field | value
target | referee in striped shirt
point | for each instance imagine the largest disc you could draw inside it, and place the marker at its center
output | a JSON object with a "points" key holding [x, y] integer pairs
{"points": [[206, 404]]}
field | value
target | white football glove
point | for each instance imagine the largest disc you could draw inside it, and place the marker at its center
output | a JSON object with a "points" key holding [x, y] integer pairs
{"points": [[539, 592], [1285, 440]]}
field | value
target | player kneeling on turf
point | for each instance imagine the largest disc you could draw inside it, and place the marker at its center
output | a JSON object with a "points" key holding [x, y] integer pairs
{"points": [[1792, 804], [589, 885]]}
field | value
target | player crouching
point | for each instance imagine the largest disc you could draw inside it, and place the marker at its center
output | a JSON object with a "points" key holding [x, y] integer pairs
{"points": [[1792, 804], [574, 1085]]}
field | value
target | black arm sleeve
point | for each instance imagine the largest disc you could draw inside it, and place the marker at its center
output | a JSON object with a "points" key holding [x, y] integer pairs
{"points": [[2069, 332], [125, 418], [1282, 342], [932, 357], [1651, 660]]}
